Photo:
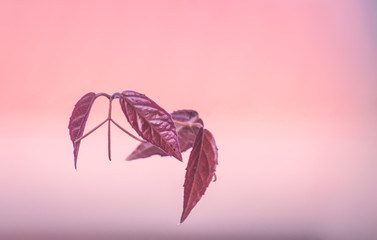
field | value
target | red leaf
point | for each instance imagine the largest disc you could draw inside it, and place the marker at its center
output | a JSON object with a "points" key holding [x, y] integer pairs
{"points": [[151, 122], [78, 120], [186, 136], [145, 150], [200, 170], [186, 116]]}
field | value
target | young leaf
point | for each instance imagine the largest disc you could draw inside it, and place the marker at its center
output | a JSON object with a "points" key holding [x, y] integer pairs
{"points": [[78, 120], [186, 136], [145, 150], [200, 170], [186, 116], [151, 122]]}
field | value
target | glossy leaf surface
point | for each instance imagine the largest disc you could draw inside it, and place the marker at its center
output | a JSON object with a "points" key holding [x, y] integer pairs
{"points": [[78, 120], [151, 122], [186, 136], [200, 170]]}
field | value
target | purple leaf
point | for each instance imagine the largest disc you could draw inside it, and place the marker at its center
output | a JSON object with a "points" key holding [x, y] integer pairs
{"points": [[186, 136], [151, 122], [78, 120], [145, 150], [200, 170], [186, 116]]}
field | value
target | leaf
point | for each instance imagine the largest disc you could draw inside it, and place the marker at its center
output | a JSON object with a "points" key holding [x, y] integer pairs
{"points": [[186, 136], [78, 120], [151, 122], [186, 116], [145, 150], [200, 170]]}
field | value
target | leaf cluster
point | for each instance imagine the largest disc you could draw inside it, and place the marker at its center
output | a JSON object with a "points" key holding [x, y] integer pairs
{"points": [[162, 134]]}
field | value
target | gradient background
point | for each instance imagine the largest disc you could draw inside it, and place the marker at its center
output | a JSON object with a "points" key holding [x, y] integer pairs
{"points": [[288, 88]]}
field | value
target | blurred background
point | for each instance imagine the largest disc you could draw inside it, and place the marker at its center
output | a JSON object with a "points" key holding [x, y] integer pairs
{"points": [[288, 88]]}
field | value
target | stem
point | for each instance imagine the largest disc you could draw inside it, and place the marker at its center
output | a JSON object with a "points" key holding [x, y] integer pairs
{"points": [[115, 95], [108, 130], [109, 120], [109, 140], [129, 134], [190, 124], [84, 136], [103, 94], [193, 130]]}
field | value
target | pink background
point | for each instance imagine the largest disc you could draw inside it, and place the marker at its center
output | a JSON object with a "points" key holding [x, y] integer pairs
{"points": [[288, 88]]}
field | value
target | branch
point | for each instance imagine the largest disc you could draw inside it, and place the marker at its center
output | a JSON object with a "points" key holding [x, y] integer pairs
{"points": [[104, 95], [108, 129], [95, 128], [129, 134]]}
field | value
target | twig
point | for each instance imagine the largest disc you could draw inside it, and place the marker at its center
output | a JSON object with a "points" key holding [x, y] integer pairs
{"points": [[95, 128], [129, 134]]}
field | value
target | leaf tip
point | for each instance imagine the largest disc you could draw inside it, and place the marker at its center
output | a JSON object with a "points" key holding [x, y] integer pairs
{"points": [[176, 153], [180, 157], [184, 216]]}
